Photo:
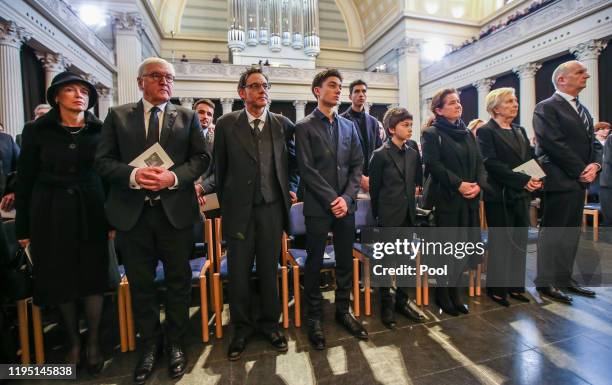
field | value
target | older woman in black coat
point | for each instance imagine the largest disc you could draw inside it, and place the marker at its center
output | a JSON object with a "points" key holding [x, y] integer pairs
{"points": [[504, 146], [60, 211], [455, 177]]}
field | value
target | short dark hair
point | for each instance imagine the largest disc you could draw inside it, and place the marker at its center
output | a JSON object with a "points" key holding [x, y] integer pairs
{"points": [[208, 102], [394, 116], [437, 101], [355, 83], [248, 72], [320, 78]]}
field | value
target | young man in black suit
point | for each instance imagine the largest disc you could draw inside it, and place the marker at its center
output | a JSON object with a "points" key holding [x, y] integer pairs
{"points": [[571, 159], [330, 161], [254, 158], [395, 171], [154, 209], [366, 124]]}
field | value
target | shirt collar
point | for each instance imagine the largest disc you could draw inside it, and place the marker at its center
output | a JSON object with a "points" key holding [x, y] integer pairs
{"points": [[262, 118], [567, 97], [148, 106], [322, 116]]}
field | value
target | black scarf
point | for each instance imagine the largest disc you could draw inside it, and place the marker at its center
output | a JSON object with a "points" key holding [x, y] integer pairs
{"points": [[457, 131]]}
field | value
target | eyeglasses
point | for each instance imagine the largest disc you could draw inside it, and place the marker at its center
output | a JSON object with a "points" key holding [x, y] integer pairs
{"points": [[258, 86], [158, 77]]}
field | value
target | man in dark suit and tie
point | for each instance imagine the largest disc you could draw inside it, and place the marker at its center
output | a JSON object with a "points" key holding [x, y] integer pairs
{"points": [[154, 209], [205, 108], [330, 161], [254, 158], [366, 124], [568, 154]]}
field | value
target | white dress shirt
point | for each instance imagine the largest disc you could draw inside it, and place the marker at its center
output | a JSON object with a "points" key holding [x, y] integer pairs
{"points": [[570, 100], [262, 119]]}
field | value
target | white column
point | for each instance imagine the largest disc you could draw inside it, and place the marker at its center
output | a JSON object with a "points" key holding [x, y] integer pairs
{"points": [[128, 48], [366, 107], [483, 86], [187, 102], [526, 73], [53, 64], [227, 104], [105, 101], [300, 109], [11, 90], [587, 53], [425, 112], [408, 78]]}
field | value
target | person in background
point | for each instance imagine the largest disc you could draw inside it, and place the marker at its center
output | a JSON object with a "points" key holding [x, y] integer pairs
{"points": [[60, 212], [9, 153], [605, 183], [205, 184], [602, 131], [216, 59], [474, 125], [39, 111]]}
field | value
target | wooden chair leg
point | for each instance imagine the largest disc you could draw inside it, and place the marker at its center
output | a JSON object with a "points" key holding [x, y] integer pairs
{"points": [[367, 284], [478, 279], [39, 344], [218, 305], [285, 298], [356, 299], [471, 283], [419, 283], [204, 307], [584, 222], [596, 226], [296, 297], [122, 318], [426, 289], [129, 316], [24, 339]]}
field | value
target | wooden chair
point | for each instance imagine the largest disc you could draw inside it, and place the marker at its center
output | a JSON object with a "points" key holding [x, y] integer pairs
{"points": [[592, 209]]}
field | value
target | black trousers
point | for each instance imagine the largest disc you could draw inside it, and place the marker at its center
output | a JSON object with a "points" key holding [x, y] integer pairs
{"points": [[262, 245], [559, 237], [153, 238], [387, 299], [343, 230], [508, 230], [605, 198]]}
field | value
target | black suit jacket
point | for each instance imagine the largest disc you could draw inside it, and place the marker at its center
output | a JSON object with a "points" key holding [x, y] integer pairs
{"points": [[605, 178], [391, 189], [327, 172], [207, 180], [565, 147], [123, 139], [500, 156], [236, 167], [419, 177], [374, 140]]}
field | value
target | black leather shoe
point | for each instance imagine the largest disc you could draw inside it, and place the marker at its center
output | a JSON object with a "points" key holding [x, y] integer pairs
{"points": [[581, 291], [177, 362], [500, 300], [352, 325], [455, 298], [444, 303], [315, 334], [278, 341], [405, 310], [236, 348], [555, 294], [519, 297], [387, 316], [146, 364]]}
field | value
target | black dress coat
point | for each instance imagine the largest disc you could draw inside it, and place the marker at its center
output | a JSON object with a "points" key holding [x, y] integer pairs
{"points": [[60, 208]]}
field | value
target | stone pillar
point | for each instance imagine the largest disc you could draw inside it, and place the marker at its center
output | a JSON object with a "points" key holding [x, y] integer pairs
{"points": [[11, 90], [105, 101], [483, 86], [425, 112], [300, 109], [187, 102], [526, 73], [227, 104], [128, 48], [408, 78], [366, 107], [587, 53], [53, 63]]}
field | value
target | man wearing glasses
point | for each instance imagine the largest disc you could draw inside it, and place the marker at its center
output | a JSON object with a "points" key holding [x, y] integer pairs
{"points": [[154, 209], [254, 160]]}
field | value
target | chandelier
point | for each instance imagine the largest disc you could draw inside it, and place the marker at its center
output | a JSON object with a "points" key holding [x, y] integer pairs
{"points": [[275, 23]]}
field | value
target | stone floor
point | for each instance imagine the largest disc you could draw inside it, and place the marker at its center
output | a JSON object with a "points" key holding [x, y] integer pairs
{"points": [[537, 343]]}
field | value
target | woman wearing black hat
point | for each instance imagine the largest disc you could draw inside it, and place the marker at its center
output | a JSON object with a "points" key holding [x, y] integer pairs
{"points": [[60, 211]]}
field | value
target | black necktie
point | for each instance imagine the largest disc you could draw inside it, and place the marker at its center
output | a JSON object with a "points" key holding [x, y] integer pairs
{"points": [[153, 129], [255, 129], [582, 113]]}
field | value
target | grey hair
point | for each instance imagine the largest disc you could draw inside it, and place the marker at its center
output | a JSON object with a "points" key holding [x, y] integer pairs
{"points": [[42, 106], [153, 60], [560, 71], [495, 98]]}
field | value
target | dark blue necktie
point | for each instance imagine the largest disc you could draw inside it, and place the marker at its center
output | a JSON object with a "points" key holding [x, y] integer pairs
{"points": [[582, 113], [153, 129]]}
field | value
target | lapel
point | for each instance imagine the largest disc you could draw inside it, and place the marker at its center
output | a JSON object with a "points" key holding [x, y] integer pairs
{"points": [[138, 132], [277, 137], [395, 157], [243, 133], [450, 142], [497, 130], [567, 107], [369, 131], [322, 128], [169, 118]]}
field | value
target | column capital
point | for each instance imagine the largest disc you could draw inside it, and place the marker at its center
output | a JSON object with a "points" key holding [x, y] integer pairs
{"points": [[409, 46], [53, 61], [527, 70], [588, 50], [227, 100], [129, 22], [484, 85], [300, 103], [104, 93], [186, 101], [13, 35], [91, 78], [392, 105]]}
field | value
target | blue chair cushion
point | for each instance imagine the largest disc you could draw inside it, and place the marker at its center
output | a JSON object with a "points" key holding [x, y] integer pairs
{"points": [[532, 235], [195, 264], [484, 236], [593, 206], [297, 223], [121, 269], [329, 260], [224, 271]]}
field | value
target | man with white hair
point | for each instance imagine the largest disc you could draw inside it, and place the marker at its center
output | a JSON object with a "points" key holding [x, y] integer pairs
{"points": [[571, 159], [153, 208]]}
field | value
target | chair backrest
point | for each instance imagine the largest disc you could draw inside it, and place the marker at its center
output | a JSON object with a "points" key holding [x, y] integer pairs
{"points": [[363, 215], [297, 223]]}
